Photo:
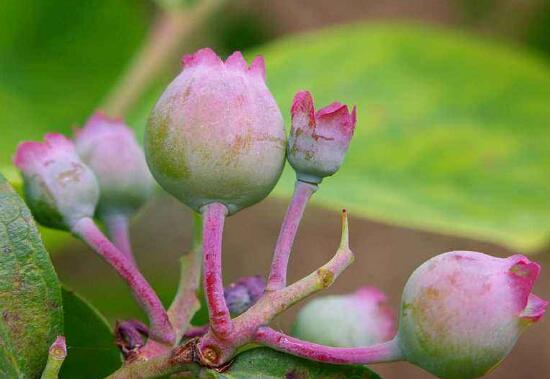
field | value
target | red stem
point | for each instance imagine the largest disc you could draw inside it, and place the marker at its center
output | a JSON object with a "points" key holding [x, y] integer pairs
{"points": [[383, 352], [213, 221], [294, 213], [118, 228], [161, 330]]}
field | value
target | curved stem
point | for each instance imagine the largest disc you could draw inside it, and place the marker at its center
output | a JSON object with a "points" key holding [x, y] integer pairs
{"points": [[213, 221], [161, 330], [118, 227], [275, 302], [56, 356], [186, 301], [169, 30], [384, 352], [291, 222]]}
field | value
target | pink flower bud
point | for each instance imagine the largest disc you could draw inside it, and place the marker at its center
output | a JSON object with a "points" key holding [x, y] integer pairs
{"points": [[216, 133], [60, 189], [463, 311], [110, 149], [318, 140], [358, 319]]}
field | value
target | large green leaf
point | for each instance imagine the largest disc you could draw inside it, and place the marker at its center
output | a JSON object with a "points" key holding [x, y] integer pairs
{"points": [[30, 298], [90, 343], [453, 132], [266, 363]]}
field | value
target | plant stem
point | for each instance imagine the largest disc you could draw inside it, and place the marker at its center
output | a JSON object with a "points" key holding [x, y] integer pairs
{"points": [[118, 227], [383, 352], [291, 222], [186, 302], [160, 328], [213, 221], [275, 302], [169, 30], [56, 356], [215, 351], [179, 360]]}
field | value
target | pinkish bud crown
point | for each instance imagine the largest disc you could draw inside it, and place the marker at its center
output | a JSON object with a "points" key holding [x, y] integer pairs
{"points": [[110, 148], [216, 134], [358, 319], [318, 140], [453, 304], [59, 188]]}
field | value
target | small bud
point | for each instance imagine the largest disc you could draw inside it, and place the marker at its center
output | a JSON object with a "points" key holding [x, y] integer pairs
{"points": [[358, 319], [110, 149], [463, 311], [318, 140], [242, 294], [59, 188], [216, 133]]}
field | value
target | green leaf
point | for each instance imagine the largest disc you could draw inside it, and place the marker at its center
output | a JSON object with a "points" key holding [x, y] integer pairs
{"points": [[266, 363], [90, 342], [30, 297], [453, 133]]}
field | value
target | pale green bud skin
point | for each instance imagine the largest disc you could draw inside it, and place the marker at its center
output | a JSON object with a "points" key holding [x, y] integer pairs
{"points": [[216, 134], [59, 188], [358, 319]]}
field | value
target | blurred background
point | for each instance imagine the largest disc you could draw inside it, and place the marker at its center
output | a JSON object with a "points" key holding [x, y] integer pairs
{"points": [[452, 148]]}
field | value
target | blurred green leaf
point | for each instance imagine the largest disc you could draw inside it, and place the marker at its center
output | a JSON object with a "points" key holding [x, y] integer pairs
{"points": [[453, 133], [59, 58], [90, 343], [30, 298], [266, 363]]}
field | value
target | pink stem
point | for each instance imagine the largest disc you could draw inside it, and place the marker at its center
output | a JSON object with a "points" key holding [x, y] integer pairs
{"points": [[383, 352], [161, 330], [294, 213], [118, 227], [213, 220]]}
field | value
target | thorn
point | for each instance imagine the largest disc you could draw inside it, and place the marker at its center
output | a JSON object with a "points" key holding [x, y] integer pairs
{"points": [[344, 240]]}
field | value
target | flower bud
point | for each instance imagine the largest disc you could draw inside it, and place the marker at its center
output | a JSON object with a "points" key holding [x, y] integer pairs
{"points": [[359, 319], [242, 294], [318, 140], [216, 133], [110, 149], [463, 311], [59, 188]]}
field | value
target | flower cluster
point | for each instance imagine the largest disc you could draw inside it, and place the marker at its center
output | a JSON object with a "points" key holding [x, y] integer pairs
{"points": [[216, 141]]}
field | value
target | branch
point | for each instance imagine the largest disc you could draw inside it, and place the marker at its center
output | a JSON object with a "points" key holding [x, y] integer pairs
{"points": [[213, 221], [275, 302], [186, 302], [177, 361], [161, 330], [291, 222], [384, 352]]}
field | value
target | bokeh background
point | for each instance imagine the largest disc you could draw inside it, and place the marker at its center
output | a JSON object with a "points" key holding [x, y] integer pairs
{"points": [[452, 149]]}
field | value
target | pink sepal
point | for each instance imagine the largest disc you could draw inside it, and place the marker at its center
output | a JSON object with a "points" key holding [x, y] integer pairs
{"points": [[205, 56], [29, 153], [535, 309]]}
